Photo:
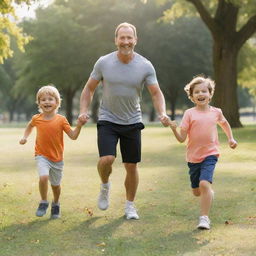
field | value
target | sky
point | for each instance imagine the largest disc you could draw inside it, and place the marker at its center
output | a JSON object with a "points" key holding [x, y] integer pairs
{"points": [[24, 11]]}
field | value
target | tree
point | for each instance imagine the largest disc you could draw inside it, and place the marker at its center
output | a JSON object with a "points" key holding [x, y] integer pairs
{"points": [[231, 23], [170, 49], [9, 28], [60, 53], [247, 71]]}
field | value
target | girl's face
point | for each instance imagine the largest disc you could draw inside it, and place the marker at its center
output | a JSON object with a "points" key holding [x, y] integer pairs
{"points": [[201, 95], [48, 103]]}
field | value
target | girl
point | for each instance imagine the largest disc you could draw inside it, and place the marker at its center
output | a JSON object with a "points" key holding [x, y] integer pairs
{"points": [[199, 124]]}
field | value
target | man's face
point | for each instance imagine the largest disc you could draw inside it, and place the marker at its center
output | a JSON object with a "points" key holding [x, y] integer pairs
{"points": [[125, 40]]}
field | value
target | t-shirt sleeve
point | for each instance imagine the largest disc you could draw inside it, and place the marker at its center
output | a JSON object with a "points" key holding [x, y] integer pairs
{"points": [[66, 125], [221, 118], [33, 120], [151, 75], [184, 125], [97, 72]]}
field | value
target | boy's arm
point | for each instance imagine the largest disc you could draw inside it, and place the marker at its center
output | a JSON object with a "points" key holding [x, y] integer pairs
{"points": [[227, 129], [180, 135], [27, 132], [73, 134]]}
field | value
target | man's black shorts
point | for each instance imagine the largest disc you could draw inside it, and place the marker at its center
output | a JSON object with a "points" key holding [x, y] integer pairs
{"points": [[129, 136]]}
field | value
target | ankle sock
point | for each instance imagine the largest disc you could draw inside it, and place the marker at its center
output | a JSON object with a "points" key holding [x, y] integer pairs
{"points": [[129, 203], [105, 185]]}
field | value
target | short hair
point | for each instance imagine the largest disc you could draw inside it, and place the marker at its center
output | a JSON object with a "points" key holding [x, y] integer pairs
{"points": [[127, 25], [50, 90], [189, 88]]}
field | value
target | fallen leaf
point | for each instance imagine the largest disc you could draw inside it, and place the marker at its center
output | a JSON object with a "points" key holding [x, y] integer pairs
{"points": [[101, 244], [35, 241], [89, 211]]}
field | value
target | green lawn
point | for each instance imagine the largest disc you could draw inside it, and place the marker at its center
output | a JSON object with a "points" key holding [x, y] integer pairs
{"points": [[168, 211]]}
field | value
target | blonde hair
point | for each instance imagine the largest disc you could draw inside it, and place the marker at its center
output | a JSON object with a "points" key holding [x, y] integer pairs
{"points": [[50, 90], [127, 25], [189, 88]]}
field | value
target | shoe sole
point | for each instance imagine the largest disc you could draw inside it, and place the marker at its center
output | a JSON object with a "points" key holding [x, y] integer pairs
{"points": [[40, 215], [103, 208], [131, 218], [55, 217], [203, 228]]}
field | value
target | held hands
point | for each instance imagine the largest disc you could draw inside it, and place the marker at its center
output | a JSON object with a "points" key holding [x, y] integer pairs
{"points": [[23, 141], [164, 119], [173, 124], [232, 143], [83, 118]]}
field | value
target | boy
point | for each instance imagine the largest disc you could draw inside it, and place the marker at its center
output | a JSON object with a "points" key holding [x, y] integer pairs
{"points": [[49, 146]]}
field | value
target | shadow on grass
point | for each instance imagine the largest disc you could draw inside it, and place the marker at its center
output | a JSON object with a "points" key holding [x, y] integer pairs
{"points": [[93, 236]]}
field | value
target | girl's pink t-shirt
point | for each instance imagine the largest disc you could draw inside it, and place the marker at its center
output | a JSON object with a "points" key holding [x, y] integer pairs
{"points": [[201, 127]]}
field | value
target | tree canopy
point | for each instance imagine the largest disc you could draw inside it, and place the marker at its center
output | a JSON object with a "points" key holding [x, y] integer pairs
{"points": [[9, 28], [231, 23]]}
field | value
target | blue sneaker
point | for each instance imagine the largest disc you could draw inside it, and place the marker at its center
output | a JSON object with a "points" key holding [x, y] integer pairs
{"points": [[41, 210], [55, 211]]}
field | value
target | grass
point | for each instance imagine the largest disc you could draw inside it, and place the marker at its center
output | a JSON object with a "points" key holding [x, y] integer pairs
{"points": [[167, 209]]}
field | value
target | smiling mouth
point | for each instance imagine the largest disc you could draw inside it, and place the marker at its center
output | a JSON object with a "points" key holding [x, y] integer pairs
{"points": [[200, 99]]}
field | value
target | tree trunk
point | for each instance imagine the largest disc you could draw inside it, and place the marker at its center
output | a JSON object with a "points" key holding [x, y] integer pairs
{"points": [[11, 115], [225, 75], [173, 108], [152, 115], [69, 95]]}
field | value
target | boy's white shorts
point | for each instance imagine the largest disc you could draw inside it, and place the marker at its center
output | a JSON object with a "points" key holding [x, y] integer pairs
{"points": [[49, 168]]}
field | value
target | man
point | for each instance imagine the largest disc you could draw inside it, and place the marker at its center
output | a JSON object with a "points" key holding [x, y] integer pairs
{"points": [[123, 74]]}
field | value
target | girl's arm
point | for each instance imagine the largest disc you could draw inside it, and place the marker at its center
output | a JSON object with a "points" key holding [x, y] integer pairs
{"points": [[227, 129], [27, 132], [73, 134], [180, 135]]}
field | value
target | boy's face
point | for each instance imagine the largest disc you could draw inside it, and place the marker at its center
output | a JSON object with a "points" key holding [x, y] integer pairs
{"points": [[201, 95], [48, 103]]}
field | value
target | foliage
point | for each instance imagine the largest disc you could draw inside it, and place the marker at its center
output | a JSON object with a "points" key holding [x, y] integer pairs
{"points": [[231, 24], [247, 75], [180, 51], [9, 28]]}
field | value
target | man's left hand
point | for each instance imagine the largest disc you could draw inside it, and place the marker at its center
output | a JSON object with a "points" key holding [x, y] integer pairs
{"points": [[164, 119]]}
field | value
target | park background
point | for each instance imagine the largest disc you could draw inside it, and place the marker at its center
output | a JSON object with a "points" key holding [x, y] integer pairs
{"points": [[182, 38]]}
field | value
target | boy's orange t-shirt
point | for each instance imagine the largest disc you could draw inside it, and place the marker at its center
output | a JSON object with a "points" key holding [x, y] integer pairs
{"points": [[201, 127], [49, 138]]}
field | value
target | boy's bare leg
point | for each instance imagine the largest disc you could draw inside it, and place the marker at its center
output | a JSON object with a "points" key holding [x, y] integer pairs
{"points": [[56, 193], [43, 187]]}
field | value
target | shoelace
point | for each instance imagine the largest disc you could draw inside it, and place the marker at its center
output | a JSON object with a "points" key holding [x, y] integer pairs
{"points": [[55, 209], [131, 209], [42, 206]]}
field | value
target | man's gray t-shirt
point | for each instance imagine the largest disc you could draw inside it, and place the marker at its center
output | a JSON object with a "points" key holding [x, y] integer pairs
{"points": [[122, 87]]}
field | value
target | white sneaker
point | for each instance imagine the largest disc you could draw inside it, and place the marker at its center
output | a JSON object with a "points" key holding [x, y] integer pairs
{"points": [[131, 213], [103, 200], [204, 222]]}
